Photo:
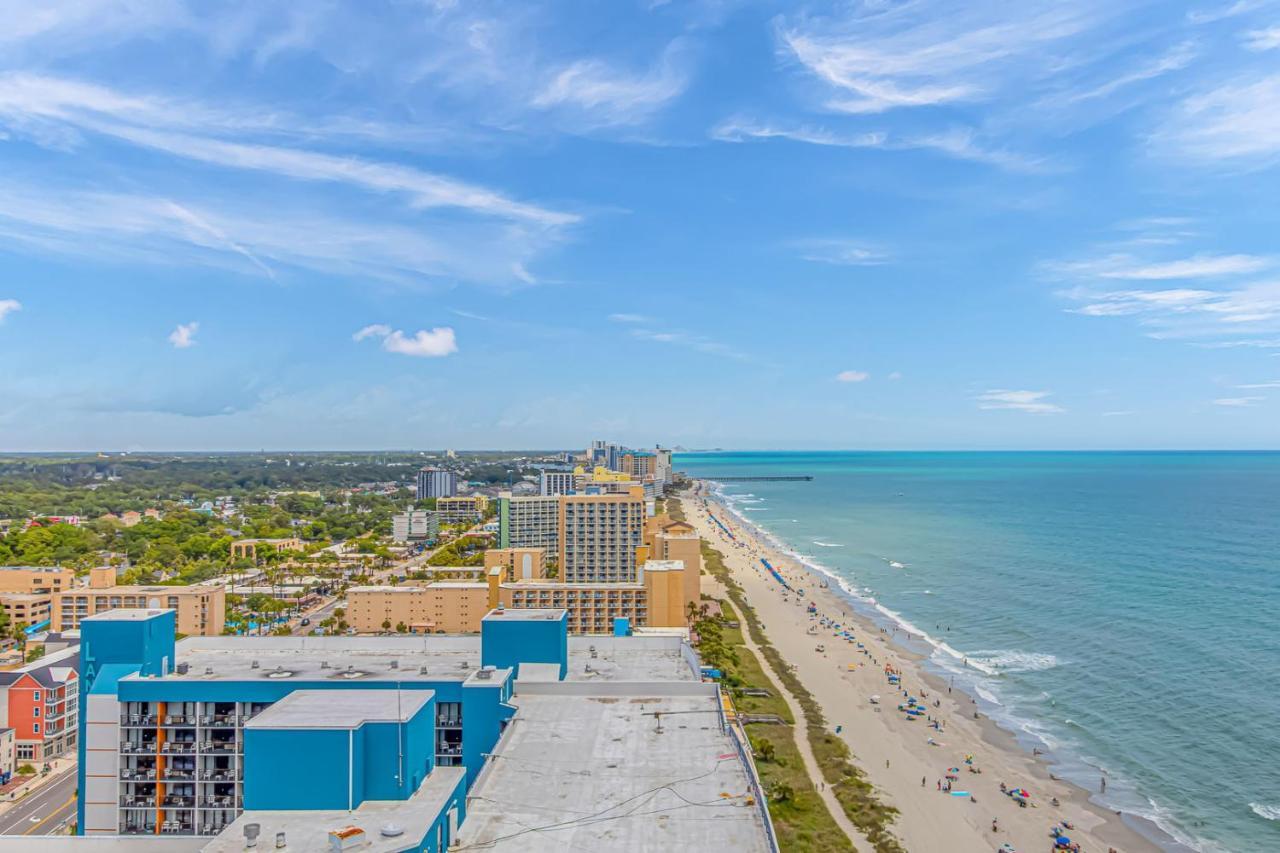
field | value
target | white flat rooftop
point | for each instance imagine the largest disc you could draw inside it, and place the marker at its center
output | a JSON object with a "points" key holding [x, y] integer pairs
{"points": [[341, 709], [133, 614], [309, 830], [603, 773], [436, 657]]}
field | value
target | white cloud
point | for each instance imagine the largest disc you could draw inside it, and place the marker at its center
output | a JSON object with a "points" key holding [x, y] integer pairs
{"points": [[699, 343], [605, 95], [1262, 40], [1237, 121], [926, 54], [629, 318], [158, 124], [1120, 266], [1177, 58], [849, 253], [896, 375], [1258, 385], [1238, 402], [1032, 402], [251, 234], [8, 306], [960, 143], [1120, 414], [184, 335], [424, 343], [852, 376], [1222, 11]]}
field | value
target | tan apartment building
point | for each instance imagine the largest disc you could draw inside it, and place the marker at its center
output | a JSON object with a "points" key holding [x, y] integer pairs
{"points": [[27, 608], [656, 600], [677, 540], [445, 607], [462, 510], [35, 579], [517, 563], [600, 536], [247, 549], [200, 609]]}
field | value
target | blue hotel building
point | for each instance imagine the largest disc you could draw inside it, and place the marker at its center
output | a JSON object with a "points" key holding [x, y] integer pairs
{"points": [[519, 740], [184, 738]]}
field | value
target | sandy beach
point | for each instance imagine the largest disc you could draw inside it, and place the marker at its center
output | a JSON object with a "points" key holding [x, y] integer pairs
{"points": [[907, 760]]}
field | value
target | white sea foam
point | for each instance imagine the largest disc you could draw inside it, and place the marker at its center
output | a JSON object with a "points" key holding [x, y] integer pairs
{"points": [[1263, 810], [894, 564], [827, 544], [1013, 661]]}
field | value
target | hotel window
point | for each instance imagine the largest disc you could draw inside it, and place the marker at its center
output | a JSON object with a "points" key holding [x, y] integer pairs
{"points": [[35, 728], [35, 711], [35, 695]]}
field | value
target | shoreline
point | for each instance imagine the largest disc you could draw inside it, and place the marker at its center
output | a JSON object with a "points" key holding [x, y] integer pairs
{"points": [[927, 819]]}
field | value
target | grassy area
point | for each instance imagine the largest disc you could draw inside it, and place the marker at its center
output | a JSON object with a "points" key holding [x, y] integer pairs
{"points": [[847, 780], [800, 817]]}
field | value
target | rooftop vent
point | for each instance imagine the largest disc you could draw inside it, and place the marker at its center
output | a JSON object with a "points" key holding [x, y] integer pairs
{"points": [[422, 670], [391, 830], [251, 832], [182, 668], [208, 670], [324, 664], [395, 664], [254, 665], [279, 672]]}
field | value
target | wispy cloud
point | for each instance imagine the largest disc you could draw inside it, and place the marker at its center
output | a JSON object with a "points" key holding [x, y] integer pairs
{"points": [[629, 318], [851, 253], [692, 341], [1031, 402], [1177, 58], [432, 343], [1210, 14], [1236, 122], [8, 306], [960, 143], [250, 235], [1197, 266], [1253, 386], [1238, 402], [605, 95], [928, 54], [1262, 40], [852, 376], [184, 335]]}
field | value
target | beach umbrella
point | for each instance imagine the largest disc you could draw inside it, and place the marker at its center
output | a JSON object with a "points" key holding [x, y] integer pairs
{"points": [[953, 769], [1062, 841]]}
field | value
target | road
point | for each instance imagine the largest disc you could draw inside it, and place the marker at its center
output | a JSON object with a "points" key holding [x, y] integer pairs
{"points": [[45, 811]]}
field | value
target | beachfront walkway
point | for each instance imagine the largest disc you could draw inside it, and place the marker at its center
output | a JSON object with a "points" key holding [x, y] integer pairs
{"points": [[800, 732]]}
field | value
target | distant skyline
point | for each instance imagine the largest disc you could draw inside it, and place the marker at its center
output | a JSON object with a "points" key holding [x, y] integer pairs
{"points": [[859, 225]]}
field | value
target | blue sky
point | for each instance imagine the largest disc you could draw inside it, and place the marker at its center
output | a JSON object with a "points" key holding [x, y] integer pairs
{"points": [[422, 224]]}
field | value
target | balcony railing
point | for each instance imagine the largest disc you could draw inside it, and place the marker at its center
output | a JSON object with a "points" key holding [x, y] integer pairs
{"points": [[131, 748], [222, 802], [136, 720], [174, 801], [146, 774], [138, 802], [224, 775], [174, 775], [178, 747]]}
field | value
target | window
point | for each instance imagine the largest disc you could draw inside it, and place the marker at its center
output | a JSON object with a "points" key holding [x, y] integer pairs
{"points": [[35, 712], [35, 727], [35, 695]]}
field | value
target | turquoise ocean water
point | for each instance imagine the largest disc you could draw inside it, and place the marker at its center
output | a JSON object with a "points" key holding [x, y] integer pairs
{"points": [[1121, 610]]}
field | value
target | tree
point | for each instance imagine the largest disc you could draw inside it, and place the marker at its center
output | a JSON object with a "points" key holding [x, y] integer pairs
{"points": [[386, 624], [764, 749], [402, 628]]}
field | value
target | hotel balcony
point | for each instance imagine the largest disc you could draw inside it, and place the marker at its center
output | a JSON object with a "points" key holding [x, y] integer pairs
{"points": [[138, 802]]}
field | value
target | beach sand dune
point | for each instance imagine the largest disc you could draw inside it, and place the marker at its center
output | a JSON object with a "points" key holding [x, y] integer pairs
{"points": [[908, 761]]}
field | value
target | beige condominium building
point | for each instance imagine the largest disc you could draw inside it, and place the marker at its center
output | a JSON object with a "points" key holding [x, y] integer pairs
{"points": [[201, 609], [249, 549], [445, 607], [600, 537], [462, 510], [35, 579], [657, 599], [517, 563], [26, 608]]}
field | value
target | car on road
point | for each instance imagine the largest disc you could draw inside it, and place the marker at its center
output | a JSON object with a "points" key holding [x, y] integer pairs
{"points": [[305, 621]]}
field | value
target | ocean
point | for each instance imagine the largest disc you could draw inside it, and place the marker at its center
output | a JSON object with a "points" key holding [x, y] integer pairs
{"points": [[1119, 610]]}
